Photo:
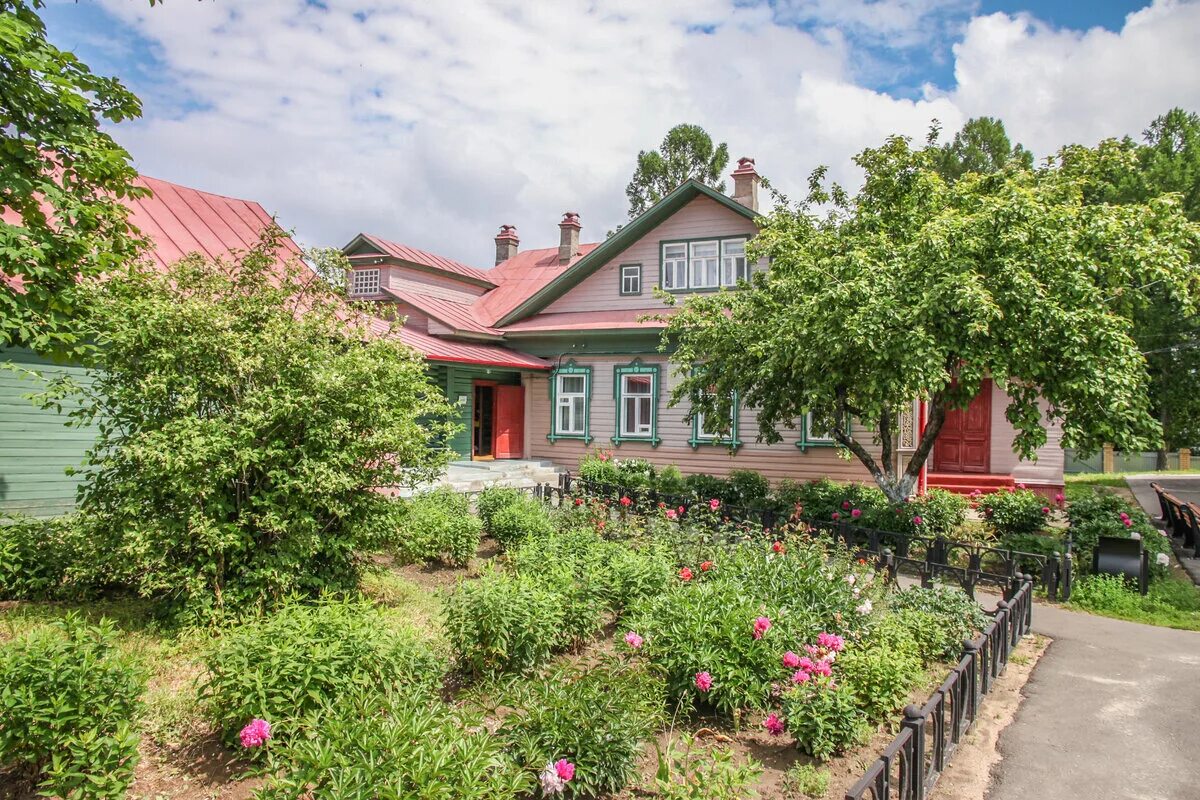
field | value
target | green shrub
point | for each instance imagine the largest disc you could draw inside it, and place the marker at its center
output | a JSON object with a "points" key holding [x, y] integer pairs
{"points": [[747, 489], [504, 622], [879, 678], [952, 618], [823, 498], [527, 518], [634, 473], [670, 481], [493, 500], [67, 705], [1100, 515], [285, 666], [942, 513], [393, 745], [701, 772], [599, 467], [824, 718], [50, 559], [1013, 513], [598, 719], [439, 525], [706, 487]]}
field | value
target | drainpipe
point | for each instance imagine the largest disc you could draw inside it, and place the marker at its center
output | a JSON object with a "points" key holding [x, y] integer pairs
{"points": [[923, 475]]}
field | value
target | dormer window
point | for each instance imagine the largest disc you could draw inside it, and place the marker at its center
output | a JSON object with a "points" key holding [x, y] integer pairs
{"points": [[364, 281], [704, 264]]}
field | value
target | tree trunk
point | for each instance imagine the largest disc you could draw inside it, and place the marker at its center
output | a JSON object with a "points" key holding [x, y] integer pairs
{"points": [[1160, 458], [895, 487]]}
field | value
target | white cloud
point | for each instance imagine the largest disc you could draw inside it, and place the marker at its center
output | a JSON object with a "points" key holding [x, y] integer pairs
{"points": [[432, 123]]}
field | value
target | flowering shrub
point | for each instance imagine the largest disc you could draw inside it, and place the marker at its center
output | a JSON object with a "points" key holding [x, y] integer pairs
{"points": [[67, 705], [598, 467], [1107, 514], [368, 743], [284, 666], [439, 525], [595, 719], [504, 622], [1013, 513], [951, 617], [494, 499], [524, 518], [824, 717]]}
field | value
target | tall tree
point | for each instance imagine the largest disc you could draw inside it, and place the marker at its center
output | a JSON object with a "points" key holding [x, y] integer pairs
{"points": [[916, 287], [686, 152], [981, 146], [62, 180]]}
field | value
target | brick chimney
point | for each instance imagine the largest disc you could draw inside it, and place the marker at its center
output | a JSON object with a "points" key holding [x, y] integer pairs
{"points": [[568, 238], [506, 243], [745, 183]]}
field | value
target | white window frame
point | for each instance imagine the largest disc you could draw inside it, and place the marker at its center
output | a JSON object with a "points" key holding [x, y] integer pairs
{"points": [[641, 428], [360, 286], [731, 270], [565, 399], [707, 267], [631, 279], [713, 436], [675, 267]]}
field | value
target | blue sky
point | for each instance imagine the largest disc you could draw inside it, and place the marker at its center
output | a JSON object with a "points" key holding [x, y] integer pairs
{"points": [[432, 123]]}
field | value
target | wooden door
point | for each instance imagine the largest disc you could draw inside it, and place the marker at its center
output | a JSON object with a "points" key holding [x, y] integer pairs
{"points": [[964, 443], [509, 422]]}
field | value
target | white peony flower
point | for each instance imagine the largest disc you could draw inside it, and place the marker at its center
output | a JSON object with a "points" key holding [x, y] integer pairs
{"points": [[1135, 535], [1163, 560], [864, 607], [850, 579], [551, 783]]}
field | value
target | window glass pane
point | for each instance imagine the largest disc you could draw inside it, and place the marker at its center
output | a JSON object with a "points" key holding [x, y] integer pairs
{"points": [[577, 413], [675, 251], [570, 384], [734, 247], [637, 384], [704, 249], [365, 281], [643, 418]]}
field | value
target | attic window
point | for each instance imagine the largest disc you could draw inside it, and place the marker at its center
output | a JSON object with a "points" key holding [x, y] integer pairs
{"points": [[364, 281]]}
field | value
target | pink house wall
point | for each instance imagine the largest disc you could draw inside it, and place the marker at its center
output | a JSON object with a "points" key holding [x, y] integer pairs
{"points": [[1047, 470]]}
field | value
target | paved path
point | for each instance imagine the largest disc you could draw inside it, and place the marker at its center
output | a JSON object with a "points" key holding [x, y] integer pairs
{"points": [[1186, 488], [1112, 712]]}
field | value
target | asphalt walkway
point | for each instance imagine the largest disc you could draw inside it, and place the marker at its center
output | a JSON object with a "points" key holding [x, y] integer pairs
{"points": [[1111, 713]]}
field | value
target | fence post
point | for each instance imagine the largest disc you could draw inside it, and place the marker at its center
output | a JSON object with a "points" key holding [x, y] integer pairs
{"points": [[971, 652], [1028, 604], [1185, 458], [915, 722], [1107, 459]]}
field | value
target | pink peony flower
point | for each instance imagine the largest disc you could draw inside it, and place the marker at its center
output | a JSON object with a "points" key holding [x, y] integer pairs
{"points": [[800, 676], [256, 734], [836, 516], [791, 660], [1045, 509], [917, 520], [831, 641], [714, 504], [856, 513], [671, 513], [845, 505], [704, 681], [1020, 486], [705, 566], [633, 640], [680, 510], [1058, 498], [773, 724], [777, 547], [761, 626], [1128, 522], [685, 574], [565, 769], [625, 501], [578, 501]]}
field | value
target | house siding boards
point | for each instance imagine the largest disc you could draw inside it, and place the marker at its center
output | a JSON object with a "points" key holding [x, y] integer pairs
{"points": [[36, 446], [774, 461], [1047, 470], [459, 384], [700, 218]]}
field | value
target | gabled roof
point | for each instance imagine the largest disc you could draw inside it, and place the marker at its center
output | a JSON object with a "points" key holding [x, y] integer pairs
{"points": [[487, 355], [625, 319], [458, 316], [419, 258], [520, 277], [596, 257]]}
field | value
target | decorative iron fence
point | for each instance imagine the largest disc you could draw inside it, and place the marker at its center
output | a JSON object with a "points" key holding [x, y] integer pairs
{"points": [[909, 767], [927, 556]]}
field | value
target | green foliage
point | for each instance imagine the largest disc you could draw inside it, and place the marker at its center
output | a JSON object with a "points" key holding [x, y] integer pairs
{"points": [[981, 146], [955, 618], [670, 481], [1013, 513], [595, 718], [504, 622], [980, 277], [493, 500], [807, 780], [440, 525], [879, 678], [824, 719], [747, 488], [942, 513], [285, 666], [241, 444], [1169, 603], [599, 467], [634, 473], [50, 559], [57, 164], [686, 152], [67, 707], [394, 745], [523, 519], [1099, 514], [697, 771]]}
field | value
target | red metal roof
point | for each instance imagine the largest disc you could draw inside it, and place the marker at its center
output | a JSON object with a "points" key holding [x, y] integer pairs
{"points": [[427, 259], [518, 278], [623, 319], [458, 316], [488, 355]]}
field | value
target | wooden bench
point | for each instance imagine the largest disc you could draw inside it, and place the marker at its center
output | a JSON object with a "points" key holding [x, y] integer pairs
{"points": [[1182, 520]]}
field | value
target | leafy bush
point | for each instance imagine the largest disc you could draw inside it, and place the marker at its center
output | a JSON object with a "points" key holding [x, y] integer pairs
{"points": [[705, 487], [955, 617], [526, 518], [504, 622], [1101, 515], [285, 666], [634, 473], [393, 744], [824, 718], [670, 481], [51, 559], [700, 772], [807, 780], [599, 467], [942, 513], [879, 678], [242, 442], [595, 718], [1013, 513], [747, 488], [67, 705], [823, 498], [493, 500], [439, 525]]}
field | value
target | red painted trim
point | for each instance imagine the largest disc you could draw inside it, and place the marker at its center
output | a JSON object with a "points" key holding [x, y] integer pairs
{"points": [[923, 475]]}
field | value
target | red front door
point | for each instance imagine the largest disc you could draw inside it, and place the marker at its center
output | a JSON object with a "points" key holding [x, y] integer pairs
{"points": [[964, 443], [509, 422]]}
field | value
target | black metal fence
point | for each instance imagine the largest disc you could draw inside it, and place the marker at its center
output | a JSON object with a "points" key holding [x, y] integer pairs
{"points": [[928, 557], [909, 768]]}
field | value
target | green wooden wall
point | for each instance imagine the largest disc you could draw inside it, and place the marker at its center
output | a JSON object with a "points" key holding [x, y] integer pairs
{"points": [[36, 446], [457, 382]]}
